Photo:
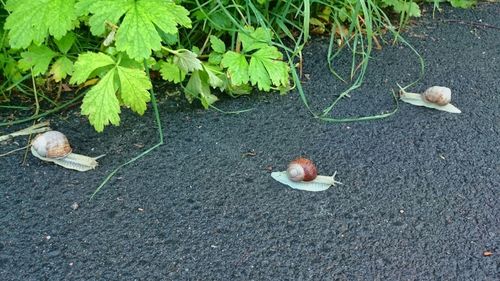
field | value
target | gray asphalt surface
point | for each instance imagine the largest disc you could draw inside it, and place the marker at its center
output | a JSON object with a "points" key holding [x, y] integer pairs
{"points": [[419, 200]]}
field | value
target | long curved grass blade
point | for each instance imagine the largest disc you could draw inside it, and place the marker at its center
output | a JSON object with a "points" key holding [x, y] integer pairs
{"points": [[364, 118], [230, 112], [307, 19]]}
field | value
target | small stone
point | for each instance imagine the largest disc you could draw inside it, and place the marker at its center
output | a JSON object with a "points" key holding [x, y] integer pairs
{"points": [[75, 206], [53, 254], [487, 253]]}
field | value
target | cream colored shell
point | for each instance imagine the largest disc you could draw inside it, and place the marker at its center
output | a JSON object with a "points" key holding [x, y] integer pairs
{"points": [[52, 144], [438, 95]]}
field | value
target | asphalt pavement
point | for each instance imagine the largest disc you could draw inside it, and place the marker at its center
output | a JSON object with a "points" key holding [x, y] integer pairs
{"points": [[419, 199]]}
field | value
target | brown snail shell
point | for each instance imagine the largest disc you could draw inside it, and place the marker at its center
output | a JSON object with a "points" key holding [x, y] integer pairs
{"points": [[301, 169], [438, 95], [52, 144]]}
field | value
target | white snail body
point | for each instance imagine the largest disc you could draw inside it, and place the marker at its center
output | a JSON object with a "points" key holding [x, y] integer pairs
{"points": [[302, 174], [53, 146]]}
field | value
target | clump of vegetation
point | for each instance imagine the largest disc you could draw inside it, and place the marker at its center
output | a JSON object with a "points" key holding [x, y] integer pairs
{"points": [[55, 53]]}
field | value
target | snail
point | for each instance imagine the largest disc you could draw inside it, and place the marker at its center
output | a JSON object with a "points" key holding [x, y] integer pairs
{"points": [[53, 146], [436, 97], [302, 174]]}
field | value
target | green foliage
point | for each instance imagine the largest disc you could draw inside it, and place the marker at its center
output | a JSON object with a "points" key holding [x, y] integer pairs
{"points": [[400, 6], [122, 82], [455, 3], [38, 58], [217, 45], [205, 47], [463, 3], [265, 68], [171, 72], [143, 20], [32, 21]]}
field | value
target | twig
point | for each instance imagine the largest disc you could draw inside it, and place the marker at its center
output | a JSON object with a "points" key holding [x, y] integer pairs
{"points": [[37, 128], [12, 151], [477, 24]]}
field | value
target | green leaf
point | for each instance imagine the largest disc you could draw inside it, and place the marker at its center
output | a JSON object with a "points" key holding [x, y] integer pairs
{"points": [[240, 90], [11, 5], [134, 86], [171, 72], [66, 42], [87, 63], [38, 57], [187, 61], [123, 83], [214, 58], [237, 67], [130, 63], [103, 11], [215, 76], [208, 100], [265, 68], [409, 7], [195, 50], [198, 87], [32, 21], [259, 75], [217, 44], [10, 69], [218, 19], [462, 3], [268, 58], [342, 14], [82, 7], [254, 39], [169, 39], [137, 34], [61, 68], [100, 103]]}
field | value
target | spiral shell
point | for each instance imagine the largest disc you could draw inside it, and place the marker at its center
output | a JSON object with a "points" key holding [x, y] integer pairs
{"points": [[438, 95], [52, 144], [301, 169]]}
